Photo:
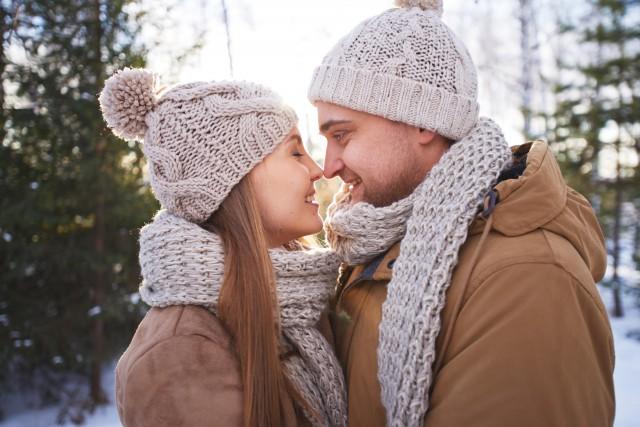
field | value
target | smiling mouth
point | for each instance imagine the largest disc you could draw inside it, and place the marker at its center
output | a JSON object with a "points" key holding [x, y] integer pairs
{"points": [[311, 199]]}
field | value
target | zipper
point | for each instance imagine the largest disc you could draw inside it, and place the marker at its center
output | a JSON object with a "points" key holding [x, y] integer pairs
{"points": [[346, 288]]}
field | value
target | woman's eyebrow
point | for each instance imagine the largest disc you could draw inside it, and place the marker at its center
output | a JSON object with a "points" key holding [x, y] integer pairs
{"points": [[295, 139], [328, 124]]}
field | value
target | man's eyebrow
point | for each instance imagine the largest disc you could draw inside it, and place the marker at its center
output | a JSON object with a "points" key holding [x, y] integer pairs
{"points": [[328, 124]]}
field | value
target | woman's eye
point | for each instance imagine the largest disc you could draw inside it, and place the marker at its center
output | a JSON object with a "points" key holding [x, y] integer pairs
{"points": [[297, 154], [338, 136]]}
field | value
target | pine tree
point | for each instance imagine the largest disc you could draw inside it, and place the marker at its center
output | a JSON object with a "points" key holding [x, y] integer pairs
{"points": [[72, 199], [597, 115]]}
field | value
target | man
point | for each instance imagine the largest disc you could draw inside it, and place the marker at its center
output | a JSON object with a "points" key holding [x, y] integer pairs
{"points": [[467, 295]]}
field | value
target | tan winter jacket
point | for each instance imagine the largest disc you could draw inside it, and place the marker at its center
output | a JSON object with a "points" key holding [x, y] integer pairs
{"points": [[181, 370], [530, 344]]}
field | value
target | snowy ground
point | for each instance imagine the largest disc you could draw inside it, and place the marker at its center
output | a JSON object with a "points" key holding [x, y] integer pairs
{"points": [[105, 416], [627, 379]]}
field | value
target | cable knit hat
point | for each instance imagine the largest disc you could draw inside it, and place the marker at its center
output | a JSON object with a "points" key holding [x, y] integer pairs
{"points": [[200, 139], [405, 65]]}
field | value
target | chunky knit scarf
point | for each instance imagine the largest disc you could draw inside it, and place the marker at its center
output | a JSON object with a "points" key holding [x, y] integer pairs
{"points": [[184, 264], [433, 223]]}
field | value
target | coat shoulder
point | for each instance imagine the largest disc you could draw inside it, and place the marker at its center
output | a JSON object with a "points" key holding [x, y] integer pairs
{"points": [[539, 247]]}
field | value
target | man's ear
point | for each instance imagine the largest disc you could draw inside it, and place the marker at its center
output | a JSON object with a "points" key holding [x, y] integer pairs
{"points": [[425, 136]]}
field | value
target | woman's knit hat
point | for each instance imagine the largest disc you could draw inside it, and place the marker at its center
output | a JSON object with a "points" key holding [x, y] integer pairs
{"points": [[405, 65], [200, 139]]}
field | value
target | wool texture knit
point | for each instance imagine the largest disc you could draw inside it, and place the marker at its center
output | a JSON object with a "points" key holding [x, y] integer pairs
{"points": [[405, 65], [432, 223], [200, 139], [182, 263]]}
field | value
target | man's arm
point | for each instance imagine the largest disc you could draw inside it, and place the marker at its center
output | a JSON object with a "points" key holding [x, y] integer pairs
{"points": [[531, 347]]}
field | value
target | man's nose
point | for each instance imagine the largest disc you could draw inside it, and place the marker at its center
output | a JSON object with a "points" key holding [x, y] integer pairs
{"points": [[332, 161]]}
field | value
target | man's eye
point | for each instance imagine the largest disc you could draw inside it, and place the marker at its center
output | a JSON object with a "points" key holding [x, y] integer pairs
{"points": [[338, 136], [297, 154]]}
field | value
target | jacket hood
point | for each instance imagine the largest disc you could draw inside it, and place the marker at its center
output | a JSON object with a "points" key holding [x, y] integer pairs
{"points": [[539, 198]]}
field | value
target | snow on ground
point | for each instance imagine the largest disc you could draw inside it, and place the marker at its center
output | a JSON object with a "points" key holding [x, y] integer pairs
{"points": [[626, 330], [626, 376], [105, 416]]}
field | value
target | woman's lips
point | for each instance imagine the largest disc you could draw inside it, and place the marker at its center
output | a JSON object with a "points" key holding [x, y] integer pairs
{"points": [[310, 199]]}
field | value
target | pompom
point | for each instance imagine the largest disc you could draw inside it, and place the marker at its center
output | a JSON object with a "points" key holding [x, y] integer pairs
{"points": [[128, 96], [434, 5]]}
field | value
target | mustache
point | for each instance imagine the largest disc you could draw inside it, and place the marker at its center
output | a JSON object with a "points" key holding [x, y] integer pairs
{"points": [[348, 176]]}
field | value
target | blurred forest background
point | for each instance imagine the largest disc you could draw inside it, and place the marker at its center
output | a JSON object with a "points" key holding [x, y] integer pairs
{"points": [[72, 196]]}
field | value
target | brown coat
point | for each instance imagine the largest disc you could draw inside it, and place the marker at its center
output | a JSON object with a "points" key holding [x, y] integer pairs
{"points": [[181, 370], [531, 344]]}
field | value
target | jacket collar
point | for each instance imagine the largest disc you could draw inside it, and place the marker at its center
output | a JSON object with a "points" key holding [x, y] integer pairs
{"points": [[531, 200], [379, 268]]}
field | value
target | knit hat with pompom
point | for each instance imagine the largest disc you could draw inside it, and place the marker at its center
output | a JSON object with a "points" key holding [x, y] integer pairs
{"points": [[405, 65], [200, 139]]}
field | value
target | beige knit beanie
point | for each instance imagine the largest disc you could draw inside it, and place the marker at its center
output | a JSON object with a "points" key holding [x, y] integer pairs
{"points": [[200, 139], [405, 65]]}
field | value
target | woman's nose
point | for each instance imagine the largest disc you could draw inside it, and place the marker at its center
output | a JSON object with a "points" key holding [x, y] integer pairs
{"points": [[315, 171]]}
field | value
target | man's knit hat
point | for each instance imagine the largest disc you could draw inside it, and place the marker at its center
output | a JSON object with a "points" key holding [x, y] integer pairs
{"points": [[200, 139], [405, 65]]}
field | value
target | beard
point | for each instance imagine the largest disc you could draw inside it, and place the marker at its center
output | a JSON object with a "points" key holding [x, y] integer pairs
{"points": [[385, 191]]}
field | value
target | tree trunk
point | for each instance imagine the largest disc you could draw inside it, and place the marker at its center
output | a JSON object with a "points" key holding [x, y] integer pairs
{"points": [[5, 33], [636, 239], [524, 17], [97, 394], [225, 18], [617, 310]]}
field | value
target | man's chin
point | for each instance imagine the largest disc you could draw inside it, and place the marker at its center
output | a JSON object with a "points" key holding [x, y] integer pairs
{"points": [[380, 200], [359, 194]]}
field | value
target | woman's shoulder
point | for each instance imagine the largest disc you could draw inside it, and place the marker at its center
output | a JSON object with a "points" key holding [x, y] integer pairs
{"points": [[177, 327], [182, 320], [192, 320]]}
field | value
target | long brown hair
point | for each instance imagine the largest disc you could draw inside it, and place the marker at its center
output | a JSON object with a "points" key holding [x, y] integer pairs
{"points": [[248, 307]]}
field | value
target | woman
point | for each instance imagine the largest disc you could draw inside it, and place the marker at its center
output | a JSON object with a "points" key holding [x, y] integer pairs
{"points": [[230, 339]]}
